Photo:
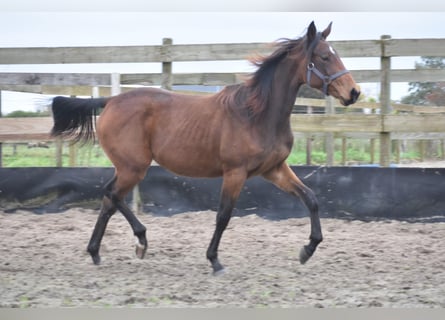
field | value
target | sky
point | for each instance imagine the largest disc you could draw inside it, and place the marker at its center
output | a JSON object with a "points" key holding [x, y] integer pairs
{"points": [[94, 28]]}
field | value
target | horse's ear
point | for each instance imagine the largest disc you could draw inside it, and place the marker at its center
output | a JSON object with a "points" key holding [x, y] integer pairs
{"points": [[327, 31], [311, 33]]}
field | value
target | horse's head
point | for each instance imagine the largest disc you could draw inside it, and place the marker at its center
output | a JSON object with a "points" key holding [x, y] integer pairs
{"points": [[325, 70]]}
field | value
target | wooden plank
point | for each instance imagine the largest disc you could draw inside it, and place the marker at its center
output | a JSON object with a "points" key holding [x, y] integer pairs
{"points": [[418, 135], [22, 88], [27, 82], [418, 75], [146, 79], [400, 75], [206, 52], [218, 51], [342, 125], [415, 47], [64, 90], [130, 54], [418, 109], [357, 48], [374, 135], [55, 79], [209, 79], [336, 123], [159, 53], [414, 123], [336, 103], [24, 129], [9, 80], [60, 55], [361, 76], [201, 79]]}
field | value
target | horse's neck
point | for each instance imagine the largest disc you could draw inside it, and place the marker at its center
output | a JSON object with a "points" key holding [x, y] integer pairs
{"points": [[283, 95]]}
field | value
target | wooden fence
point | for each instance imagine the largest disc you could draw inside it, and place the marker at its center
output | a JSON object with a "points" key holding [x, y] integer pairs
{"points": [[420, 122]]}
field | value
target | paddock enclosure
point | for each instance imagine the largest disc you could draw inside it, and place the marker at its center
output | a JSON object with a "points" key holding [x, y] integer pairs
{"points": [[383, 226]]}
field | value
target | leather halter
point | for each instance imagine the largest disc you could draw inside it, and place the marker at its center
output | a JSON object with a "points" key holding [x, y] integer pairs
{"points": [[327, 79]]}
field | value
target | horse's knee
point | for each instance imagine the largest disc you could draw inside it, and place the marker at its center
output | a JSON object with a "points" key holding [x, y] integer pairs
{"points": [[309, 199]]}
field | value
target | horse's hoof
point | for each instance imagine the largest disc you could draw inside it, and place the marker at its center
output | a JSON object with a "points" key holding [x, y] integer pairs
{"points": [[140, 250], [304, 256], [219, 272], [96, 259]]}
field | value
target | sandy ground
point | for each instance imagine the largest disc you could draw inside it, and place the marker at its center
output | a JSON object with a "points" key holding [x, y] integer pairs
{"points": [[43, 263]]}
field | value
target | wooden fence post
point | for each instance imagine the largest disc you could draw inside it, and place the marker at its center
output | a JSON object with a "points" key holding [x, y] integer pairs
{"points": [[167, 79], [344, 151], [95, 92], [442, 149], [372, 150], [72, 151], [385, 100], [330, 136], [115, 84], [309, 141], [59, 152]]}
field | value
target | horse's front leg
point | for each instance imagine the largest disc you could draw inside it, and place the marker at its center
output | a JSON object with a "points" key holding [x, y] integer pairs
{"points": [[284, 178], [233, 182]]}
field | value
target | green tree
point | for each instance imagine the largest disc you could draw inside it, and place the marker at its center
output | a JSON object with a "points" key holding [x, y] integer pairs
{"points": [[427, 93]]}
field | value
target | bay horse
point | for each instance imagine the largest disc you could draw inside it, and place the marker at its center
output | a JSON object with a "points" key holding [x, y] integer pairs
{"points": [[242, 131]]}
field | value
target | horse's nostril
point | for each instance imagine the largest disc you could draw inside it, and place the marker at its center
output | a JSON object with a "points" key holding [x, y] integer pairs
{"points": [[354, 95]]}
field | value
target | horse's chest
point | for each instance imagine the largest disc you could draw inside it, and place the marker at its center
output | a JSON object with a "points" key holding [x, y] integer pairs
{"points": [[278, 154], [268, 158]]}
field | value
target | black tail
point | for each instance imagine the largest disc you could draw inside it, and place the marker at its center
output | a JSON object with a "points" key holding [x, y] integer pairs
{"points": [[75, 118]]}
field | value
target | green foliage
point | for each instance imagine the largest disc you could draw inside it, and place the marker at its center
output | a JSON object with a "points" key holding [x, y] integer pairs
{"points": [[358, 151], [26, 114], [427, 93]]}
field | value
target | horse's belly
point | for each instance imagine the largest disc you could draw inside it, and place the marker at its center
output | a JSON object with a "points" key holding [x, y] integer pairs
{"points": [[190, 166]]}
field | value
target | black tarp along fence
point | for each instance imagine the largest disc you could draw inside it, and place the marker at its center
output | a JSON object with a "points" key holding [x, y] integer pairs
{"points": [[364, 193]]}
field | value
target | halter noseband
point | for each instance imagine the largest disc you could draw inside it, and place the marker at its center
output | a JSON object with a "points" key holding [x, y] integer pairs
{"points": [[312, 69]]}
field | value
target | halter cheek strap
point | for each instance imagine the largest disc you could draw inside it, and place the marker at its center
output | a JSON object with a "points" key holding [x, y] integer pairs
{"points": [[327, 79]]}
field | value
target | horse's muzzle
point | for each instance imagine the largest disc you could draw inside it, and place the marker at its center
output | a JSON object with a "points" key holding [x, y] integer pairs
{"points": [[353, 98]]}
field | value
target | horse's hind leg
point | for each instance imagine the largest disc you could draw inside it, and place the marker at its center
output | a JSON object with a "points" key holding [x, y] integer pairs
{"points": [[125, 182], [107, 210], [284, 178], [113, 200]]}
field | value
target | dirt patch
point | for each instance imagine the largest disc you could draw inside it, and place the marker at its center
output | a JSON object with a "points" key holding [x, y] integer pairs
{"points": [[43, 263]]}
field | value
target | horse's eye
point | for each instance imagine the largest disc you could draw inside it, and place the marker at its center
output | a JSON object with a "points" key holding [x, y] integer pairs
{"points": [[325, 57]]}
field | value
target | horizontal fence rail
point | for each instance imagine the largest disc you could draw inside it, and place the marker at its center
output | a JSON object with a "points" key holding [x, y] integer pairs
{"points": [[26, 129], [210, 52]]}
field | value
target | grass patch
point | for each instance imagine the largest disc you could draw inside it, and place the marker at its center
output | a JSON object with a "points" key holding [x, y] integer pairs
{"points": [[21, 155], [357, 152]]}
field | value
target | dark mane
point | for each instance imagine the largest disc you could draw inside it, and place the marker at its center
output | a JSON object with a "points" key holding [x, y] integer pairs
{"points": [[254, 94]]}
